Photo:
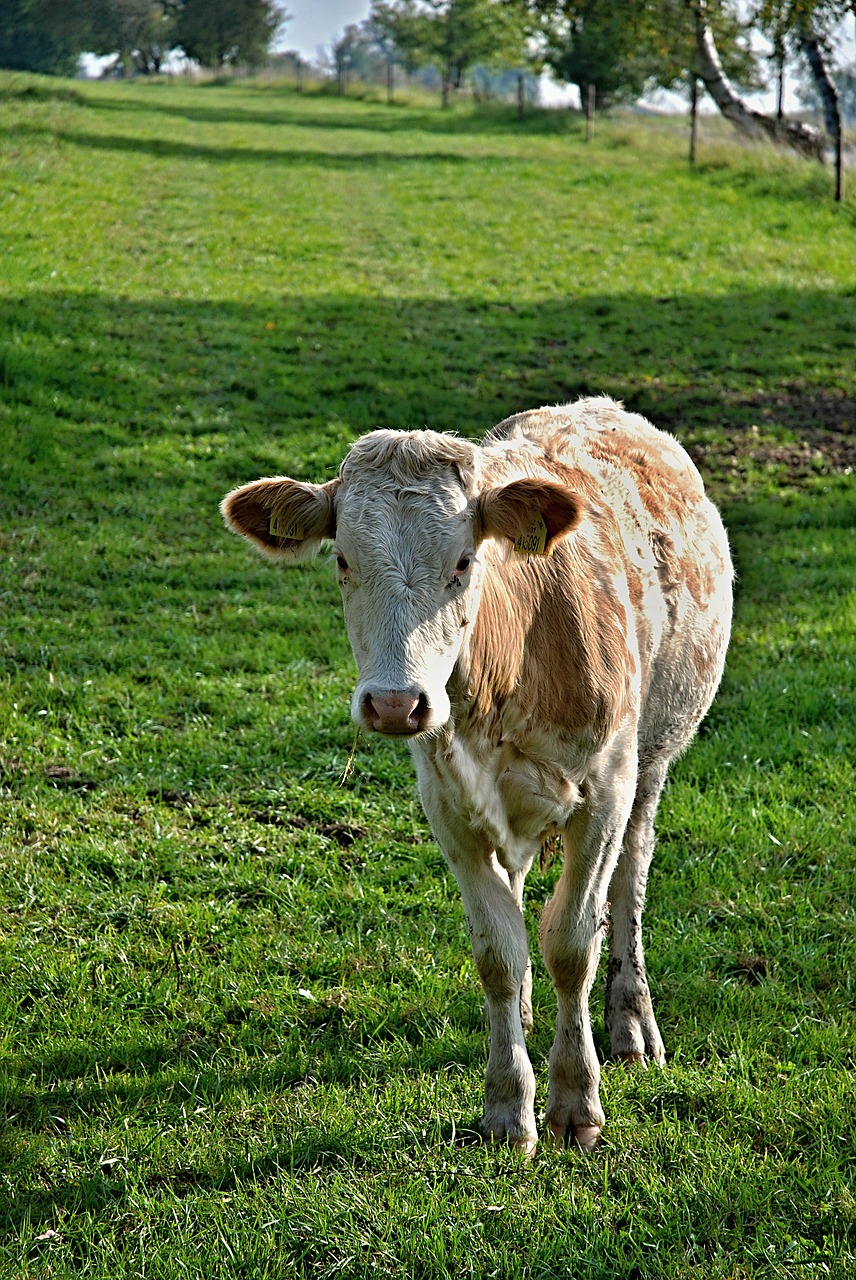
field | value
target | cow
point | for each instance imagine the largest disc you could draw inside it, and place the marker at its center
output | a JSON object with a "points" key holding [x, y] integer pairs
{"points": [[544, 618]]}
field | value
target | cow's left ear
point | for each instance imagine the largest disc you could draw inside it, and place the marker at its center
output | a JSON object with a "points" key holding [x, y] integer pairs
{"points": [[533, 514], [285, 519]]}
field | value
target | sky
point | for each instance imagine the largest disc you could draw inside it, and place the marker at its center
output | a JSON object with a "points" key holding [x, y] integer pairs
{"points": [[316, 22]]}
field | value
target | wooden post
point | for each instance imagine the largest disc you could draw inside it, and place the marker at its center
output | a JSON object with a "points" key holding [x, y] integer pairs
{"points": [[591, 98], [839, 161], [299, 75], [390, 83], [521, 95], [693, 118], [780, 86]]}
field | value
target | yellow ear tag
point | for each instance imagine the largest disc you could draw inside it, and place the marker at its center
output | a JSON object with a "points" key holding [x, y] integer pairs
{"points": [[533, 540], [279, 529]]}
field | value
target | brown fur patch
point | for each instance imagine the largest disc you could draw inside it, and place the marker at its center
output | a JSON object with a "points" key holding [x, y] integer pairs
{"points": [[546, 637]]}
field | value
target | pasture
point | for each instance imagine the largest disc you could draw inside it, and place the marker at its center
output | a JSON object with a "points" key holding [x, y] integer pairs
{"points": [[241, 1027]]}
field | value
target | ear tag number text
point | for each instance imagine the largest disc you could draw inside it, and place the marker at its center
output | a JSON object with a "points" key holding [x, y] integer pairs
{"points": [[278, 528], [533, 540]]}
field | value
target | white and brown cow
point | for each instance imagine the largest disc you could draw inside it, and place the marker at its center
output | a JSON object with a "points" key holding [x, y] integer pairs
{"points": [[544, 617]]}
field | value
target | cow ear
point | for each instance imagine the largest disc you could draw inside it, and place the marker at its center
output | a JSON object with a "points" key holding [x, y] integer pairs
{"points": [[283, 518], [532, 514]]}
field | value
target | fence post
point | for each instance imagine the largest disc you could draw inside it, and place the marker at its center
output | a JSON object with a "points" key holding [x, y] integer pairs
{"points": [[591, 98]]}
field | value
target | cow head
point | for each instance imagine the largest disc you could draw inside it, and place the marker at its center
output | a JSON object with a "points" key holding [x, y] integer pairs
{"points": [[409, 514]]}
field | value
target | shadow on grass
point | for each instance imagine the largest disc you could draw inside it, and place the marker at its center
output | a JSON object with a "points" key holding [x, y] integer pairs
{"points": [[169, 148], [289, 381], [278, 106], [147, 1079]]}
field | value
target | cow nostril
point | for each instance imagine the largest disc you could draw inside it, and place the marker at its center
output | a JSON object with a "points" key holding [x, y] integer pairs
{"points": [[370, 711], [399, 712], [421, 711]]}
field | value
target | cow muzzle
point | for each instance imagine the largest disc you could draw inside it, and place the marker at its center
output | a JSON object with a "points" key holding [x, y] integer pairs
{"points": [[398, 713]]}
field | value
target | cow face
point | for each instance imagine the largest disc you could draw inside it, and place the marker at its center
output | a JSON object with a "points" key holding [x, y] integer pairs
{"points": [[409, 519]]}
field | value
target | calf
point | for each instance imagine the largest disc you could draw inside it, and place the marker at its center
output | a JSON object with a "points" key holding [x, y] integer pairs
{"points": [[544, 617]]}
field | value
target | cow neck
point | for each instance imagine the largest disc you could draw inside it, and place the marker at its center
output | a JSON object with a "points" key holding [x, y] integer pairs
{"points": [[547, 647]]}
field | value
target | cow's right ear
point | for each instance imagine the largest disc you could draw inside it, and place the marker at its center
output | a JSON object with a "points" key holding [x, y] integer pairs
{"points": [[532, 514], [285, 519]]}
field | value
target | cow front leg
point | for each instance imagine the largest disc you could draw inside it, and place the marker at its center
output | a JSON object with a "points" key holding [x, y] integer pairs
{"points": [[501, 952], [572, 927], [630, 1022], [517, 880]]}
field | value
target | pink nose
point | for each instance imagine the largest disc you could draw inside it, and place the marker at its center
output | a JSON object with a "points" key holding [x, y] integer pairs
{"points": [[396, 712]]}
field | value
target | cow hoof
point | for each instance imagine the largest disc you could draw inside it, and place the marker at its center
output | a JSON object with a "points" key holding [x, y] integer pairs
{"points": [[632, 1059], [525, 1145], [583, 1137]]}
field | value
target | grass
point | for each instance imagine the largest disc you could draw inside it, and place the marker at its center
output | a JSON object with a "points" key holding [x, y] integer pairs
{"points": [[241, 1030]]}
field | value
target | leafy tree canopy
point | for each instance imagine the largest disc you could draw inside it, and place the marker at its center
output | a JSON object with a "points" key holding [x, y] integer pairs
{"points": [[219, 32], [32, 39]]}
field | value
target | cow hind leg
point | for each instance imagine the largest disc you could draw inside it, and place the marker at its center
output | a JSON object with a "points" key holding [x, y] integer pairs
{"points": [[630, 1022]]}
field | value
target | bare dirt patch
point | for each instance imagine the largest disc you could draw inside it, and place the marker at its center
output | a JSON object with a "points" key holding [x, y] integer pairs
{"points": [[797, 434]]}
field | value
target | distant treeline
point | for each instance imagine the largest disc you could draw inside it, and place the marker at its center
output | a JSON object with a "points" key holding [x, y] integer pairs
{"points": [[612, 50]]}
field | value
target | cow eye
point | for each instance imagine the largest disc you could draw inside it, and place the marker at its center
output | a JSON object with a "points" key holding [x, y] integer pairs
{"points": [[463, 564], [343, 564]]}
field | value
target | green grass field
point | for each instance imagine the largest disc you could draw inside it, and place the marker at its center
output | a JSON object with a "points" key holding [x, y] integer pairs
{"points": [[241, 1028]]}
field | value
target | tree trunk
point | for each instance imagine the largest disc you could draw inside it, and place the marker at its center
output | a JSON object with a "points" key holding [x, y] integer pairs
{"points": [[521, 95], [390, 83], [591, 98], [813, 51], [751, 123], [693, 117], [447, 84], [823, 81]]}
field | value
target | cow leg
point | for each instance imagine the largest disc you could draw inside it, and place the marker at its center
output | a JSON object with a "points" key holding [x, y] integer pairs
{"points": [[517, 880], [501, 952], [572, 927], [633, 1031]]}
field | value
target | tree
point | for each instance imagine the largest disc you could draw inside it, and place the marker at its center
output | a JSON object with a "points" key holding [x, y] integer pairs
{"points": [[218, 33], [398, 29], [141, 32], [462, 34], [845, 84], [31, 39], [454, 35], [754, 124], [596, 45], [808, 26], [354, 52], [621, 48]]}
